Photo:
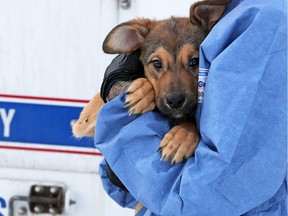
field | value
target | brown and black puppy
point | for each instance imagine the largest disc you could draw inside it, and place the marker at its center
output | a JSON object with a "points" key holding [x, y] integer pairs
{"points": [[170, 55]]}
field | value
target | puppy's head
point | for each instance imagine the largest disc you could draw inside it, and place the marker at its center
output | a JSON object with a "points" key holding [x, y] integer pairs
{"points": [[169, 52]]}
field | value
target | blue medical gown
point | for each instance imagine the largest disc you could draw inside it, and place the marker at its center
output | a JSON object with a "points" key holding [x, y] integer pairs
{"points": [[239, 167]]}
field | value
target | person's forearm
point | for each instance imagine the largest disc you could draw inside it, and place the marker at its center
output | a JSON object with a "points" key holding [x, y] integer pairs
{"points": [[118, 88]]}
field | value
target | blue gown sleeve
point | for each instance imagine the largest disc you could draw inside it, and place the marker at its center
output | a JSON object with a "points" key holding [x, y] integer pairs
{"points": [[239, 167], [121, 196]]}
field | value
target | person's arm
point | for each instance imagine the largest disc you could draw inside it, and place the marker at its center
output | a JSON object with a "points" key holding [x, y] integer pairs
{"points": [[118, 76], [123, 69], [240, 162]]}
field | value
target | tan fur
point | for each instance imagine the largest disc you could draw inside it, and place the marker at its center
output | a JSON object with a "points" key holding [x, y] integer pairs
{"points": [[138, 207], [85, 125]]}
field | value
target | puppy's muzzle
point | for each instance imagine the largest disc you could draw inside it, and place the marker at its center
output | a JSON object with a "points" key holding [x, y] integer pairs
{"points": [[175, 101]]}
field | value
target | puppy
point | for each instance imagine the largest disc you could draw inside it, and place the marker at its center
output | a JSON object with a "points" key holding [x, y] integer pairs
{"points": [[170, 55]]}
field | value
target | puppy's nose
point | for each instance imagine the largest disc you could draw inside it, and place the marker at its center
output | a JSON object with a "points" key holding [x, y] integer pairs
{"points": [[175, 101]]}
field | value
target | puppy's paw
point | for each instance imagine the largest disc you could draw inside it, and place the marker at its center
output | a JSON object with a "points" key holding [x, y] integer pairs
{"points": [[140, 97], [180, 142]]}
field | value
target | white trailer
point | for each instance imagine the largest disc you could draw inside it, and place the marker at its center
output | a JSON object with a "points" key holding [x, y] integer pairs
{"points": [[51, 64]]}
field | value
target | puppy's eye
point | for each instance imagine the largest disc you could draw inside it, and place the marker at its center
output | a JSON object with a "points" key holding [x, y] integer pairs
{"points": [[157, 64], [194, 62]]}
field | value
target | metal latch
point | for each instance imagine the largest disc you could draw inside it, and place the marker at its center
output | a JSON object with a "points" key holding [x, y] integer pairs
{"points": [[42, 199]]}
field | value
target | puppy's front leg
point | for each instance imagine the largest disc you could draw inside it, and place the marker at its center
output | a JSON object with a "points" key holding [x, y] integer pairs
{"points": [[180, 142], [140, 96]]}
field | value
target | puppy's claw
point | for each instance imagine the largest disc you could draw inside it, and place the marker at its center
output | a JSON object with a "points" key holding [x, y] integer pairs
{"points": [[173, 162], [126, 104], [131, 112], [163, 157], [159, 149]]}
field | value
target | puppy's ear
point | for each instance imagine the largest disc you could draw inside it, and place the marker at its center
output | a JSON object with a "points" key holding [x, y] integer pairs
{"points": [[127, 37], [207, 13]]}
